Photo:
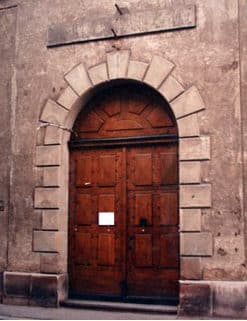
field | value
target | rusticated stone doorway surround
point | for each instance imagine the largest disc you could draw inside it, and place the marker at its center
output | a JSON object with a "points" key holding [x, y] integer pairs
{"points": [[51, 165]]}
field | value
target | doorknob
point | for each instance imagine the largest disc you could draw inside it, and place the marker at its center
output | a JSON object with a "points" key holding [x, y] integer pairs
{"points": [[75, 228]]}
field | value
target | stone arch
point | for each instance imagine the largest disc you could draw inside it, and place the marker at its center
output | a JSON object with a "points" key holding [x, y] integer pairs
{"points": [[56, 121]]}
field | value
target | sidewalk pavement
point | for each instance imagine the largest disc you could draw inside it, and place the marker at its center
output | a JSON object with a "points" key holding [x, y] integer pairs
{"points": [[13, 312]]}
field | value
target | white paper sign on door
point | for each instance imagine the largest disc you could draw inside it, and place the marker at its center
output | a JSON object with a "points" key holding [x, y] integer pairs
{"points": [[106, 218]]}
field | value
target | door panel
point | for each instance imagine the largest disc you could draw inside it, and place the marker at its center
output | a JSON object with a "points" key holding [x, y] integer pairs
{"points": [[152, 229], [96, 250], [141, 248]]}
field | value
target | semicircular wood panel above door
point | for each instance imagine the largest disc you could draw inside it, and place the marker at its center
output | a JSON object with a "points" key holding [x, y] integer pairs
{"points": [[124, 197]]}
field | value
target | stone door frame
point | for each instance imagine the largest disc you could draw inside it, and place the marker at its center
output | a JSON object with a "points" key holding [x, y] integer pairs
{"points": [[51, 165]]}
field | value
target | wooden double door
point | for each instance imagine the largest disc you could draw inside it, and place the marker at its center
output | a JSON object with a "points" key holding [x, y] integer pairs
{"points": [[124, 221]]}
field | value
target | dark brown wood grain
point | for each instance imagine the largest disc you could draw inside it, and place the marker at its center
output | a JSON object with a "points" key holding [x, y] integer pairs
{"points": [[138, 256]]}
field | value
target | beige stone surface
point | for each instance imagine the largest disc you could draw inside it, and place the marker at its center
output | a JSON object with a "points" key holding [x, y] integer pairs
{"points": [[137, 69], [45, 241], [67, 98], [191, 268], [117, 63], [98, 73], [51, 176], [195, 195], [50, 219], [189, 172], [188, 126], [53, 135], [48, 155], [196, 244], [187, 103], [171, 88], [78, 79], [195, 148], [190, 220], [53, 113], [158, 70], [47, 197]]}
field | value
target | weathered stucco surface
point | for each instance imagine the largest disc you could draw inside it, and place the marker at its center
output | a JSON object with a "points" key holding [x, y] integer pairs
{"points": [[207, 56]]}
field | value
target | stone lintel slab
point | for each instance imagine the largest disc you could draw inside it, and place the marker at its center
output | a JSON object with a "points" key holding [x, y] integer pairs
{"points": [[189, 172], [190, 220], [48, 155], [187, 103], [137, 69], [78, 79], [196, 148], [117, 63], [195, 196], [171, 88], [67, 98], [53, 113], [158, 70], [47, 198], [98, 73], [188, 126], [196, 244]]}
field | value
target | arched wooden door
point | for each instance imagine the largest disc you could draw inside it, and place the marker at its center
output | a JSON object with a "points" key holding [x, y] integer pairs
{"points": [[123, 239]]}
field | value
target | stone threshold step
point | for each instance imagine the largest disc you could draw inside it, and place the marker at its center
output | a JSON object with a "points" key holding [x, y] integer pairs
{"points": [[120, 306]]}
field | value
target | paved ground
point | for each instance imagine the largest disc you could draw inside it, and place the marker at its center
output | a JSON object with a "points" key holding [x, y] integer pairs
{"points": [[10, 312]]}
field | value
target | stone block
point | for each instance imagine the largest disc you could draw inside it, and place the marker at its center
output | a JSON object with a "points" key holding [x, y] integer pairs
{"points": [[197, 148], [190, 268], [50, 219], [53, 113], [45, 241], [190, 220], [117, 62], [47, 198], [195, 299], [189, 172], [1, 286], [53, 135], [40, 135], [187, 103], [171, 88], [158, 70], [195, 196], [196, 244], [51, 263], [51, 176], [78, 79], [44, 291], [137, 69], [98, 73], [229, 299], [16, 284], [67, 98], [48, 155], [188, 126]]}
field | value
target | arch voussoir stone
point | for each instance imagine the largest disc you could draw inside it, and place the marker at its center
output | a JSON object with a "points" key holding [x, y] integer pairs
{"points": [[171, 88], [98, 73], [117, 63], [67, 98], [78, 79], [137, 69], [158, 70], [53, 113], [187, 103]]}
